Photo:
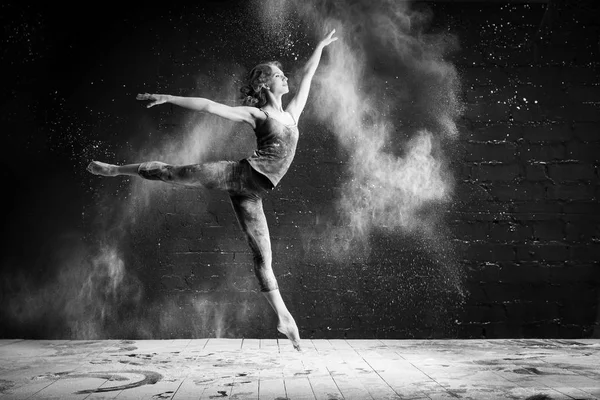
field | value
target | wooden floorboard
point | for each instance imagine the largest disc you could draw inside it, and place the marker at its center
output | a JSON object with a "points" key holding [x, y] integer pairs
{"points": [[263, 369]]}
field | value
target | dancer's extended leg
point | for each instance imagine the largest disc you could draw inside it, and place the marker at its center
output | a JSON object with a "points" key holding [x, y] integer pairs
{"points": [[209, 175], [250, 214]]}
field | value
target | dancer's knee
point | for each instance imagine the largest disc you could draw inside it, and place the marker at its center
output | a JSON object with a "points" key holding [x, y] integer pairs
{"points": [[268, 282], [156, 171], [262, 260]]}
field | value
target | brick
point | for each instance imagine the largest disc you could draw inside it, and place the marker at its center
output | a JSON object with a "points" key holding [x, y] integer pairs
{"points": [[584, 93], [536, 172], [547, 133], [581, 273], [559, 113], [501, 95], [587, 131], [218, 232], [529, 94], [509, 232], [470, 230], [586, 152], [525, 273], [560, 53], [222, 244], [576, 75], [542, 152], [499, 132], [176, 221], [532, 311], [188, 194], [487, 94], [192, 208], [542, 330], [588, 252], [496, 77], [540, 216], [572, 192], [500, 291], [518, 310], [511, 55], [496, 172], [539, 206], [521, 191], [550, 252], [482, 271], [528, 113], [199, 258], [538, 76], [486, 313], [487, 112], [502, 152], [490, 252], [549, 230], [486, 211], [586, 112], [571, 172], [554, 293], [584, 230], [582, 207], [575, 314]]}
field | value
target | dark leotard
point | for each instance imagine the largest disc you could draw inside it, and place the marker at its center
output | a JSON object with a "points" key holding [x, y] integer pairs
{"points": [[276, 146]]}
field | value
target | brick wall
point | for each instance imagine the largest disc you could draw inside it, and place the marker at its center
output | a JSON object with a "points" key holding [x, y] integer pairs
{"points": [[514, 254], [521, 238], [523, 230], [528, 171]]}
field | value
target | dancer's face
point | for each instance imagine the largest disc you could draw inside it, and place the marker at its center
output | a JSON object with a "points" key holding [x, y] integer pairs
{"points": [[279, 82]]}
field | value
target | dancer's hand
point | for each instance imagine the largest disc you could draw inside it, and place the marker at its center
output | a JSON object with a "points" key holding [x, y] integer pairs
{"points": [[155, 99], [328, 39]]}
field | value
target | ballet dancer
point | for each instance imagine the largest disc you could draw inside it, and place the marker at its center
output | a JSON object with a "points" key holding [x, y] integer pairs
{"points": [[246, 181]]}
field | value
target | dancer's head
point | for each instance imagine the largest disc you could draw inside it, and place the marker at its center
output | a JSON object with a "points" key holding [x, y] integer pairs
{"points": [[265, 77]]}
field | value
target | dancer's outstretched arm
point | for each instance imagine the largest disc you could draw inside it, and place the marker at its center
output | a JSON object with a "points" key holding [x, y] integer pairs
{"points": [[236, 114], [296, 105]]}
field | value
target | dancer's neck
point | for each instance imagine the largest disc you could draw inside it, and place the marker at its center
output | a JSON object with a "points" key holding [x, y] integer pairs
{"points": [[275, 103]]}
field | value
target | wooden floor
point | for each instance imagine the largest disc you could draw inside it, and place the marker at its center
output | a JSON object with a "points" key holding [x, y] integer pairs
{"points": [[326, 369]]}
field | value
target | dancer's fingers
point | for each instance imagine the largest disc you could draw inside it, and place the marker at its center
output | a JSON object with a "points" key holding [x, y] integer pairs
{"points": [[145, 96]]}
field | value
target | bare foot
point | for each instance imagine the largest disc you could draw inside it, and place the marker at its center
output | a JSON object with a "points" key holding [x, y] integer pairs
{"points": [[288, 327], [100, 168]]}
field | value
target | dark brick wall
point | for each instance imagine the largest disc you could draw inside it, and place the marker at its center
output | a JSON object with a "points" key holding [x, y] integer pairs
{"points": [[514, 254], [523, 230], [528, 172]]}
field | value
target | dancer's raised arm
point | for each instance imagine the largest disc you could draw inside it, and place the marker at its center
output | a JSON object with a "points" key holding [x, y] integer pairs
{"points": [[296, 105], [236, 114]]}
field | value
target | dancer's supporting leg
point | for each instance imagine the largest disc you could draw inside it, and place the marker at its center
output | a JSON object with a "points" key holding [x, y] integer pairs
{"points": [[250, 214]]}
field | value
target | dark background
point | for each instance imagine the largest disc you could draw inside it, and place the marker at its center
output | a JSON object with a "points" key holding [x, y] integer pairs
{"points": [[517, 250]]}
